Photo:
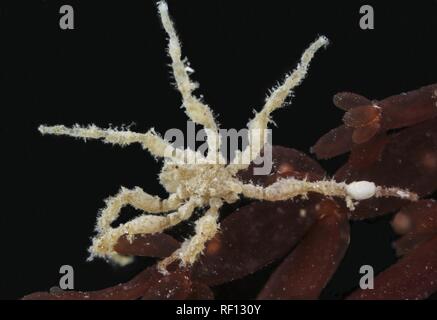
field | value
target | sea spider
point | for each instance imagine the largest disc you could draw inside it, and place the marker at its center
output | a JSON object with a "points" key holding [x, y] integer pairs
{"points": [[208, 183]]}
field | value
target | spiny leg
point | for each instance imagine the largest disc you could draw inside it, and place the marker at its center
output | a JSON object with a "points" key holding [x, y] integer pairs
{"points": [[138, 199], [206, 228], [150, 141], [196, 110], [274, 101], [104, 242], [289, 188]]}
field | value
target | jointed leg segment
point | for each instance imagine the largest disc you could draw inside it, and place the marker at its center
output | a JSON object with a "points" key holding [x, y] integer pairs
{"points": [[150, 141], [138, 199], [104, 242], [275, 101], [196, 110], [206, 228], [289, 188]]}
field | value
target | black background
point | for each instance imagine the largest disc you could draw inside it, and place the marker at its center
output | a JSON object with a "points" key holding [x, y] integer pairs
{"points": [[113, 69]]}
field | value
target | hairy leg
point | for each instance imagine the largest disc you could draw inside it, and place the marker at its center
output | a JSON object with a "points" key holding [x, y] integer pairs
{"points": [[104, 241], [150, 141], [206, 228], [275, 101], [195, 109], [289, 188], [138, 199]]}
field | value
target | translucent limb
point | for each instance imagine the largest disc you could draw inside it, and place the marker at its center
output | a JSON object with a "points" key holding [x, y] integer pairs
{"points": [[206, 228], [103, 244], [289, 188], [150, 141], [276, 100], [396, 193], [195, 109]]}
